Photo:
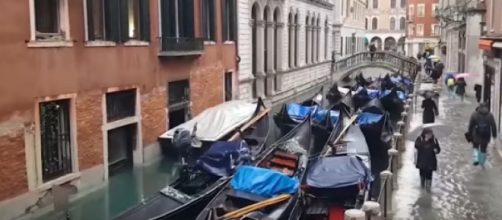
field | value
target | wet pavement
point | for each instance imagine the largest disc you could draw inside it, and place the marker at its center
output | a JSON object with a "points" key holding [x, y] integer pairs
{"points": [[459, 189]]}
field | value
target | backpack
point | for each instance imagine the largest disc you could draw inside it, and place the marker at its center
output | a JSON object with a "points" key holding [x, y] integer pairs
{"points": [[483, 129], [450, 82]]}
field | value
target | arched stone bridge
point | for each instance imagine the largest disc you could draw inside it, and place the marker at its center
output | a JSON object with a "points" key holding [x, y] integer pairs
{"points": [[380, 64]]}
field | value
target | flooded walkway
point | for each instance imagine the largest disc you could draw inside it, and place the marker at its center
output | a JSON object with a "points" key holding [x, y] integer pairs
{"points": [[459, 189], [124, 190]]}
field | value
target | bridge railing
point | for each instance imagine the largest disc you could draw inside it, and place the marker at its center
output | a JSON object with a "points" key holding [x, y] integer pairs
{"points": [[404, 64]]}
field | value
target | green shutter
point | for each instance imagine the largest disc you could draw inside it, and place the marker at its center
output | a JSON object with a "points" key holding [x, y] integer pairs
{"points": [[123, 20], [90, 21], [224, 19], [144, 20], [112, 20], [212, 22]]}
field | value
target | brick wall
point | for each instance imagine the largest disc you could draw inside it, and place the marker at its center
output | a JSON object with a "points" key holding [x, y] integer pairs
{"points": [[13, 167], [206, 87], [153, 114], [89, 135]]}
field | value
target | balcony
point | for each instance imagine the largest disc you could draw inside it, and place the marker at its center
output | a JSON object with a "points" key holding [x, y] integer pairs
{"points": [[181, 46]]}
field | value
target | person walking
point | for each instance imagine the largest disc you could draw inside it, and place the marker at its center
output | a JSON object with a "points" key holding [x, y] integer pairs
{"points": [[430, 109], [460, 88], [438, 71], [450, 83], [372, 51], [477, 89], [427, 146], [481, 128]]}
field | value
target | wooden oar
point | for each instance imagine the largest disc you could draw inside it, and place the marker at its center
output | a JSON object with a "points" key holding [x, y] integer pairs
{"points": [[253, 207], [249, 124], [345, 129]]}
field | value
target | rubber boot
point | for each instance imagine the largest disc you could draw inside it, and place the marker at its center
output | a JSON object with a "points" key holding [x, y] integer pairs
{"points": [[482, 159], [475, 156], [422, 182]]}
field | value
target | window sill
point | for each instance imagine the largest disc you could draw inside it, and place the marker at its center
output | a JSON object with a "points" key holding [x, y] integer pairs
{"points": [[99, 43], [229, 42], [136, 43], [209, 42], [66, 43], [61, 180]]}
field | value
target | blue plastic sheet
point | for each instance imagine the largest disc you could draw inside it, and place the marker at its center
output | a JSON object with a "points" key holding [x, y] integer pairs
{"points": [[263, 182], [334, 116], [320, 117], [222, 156], [337, 172], [298, 112], [373, 94], [366, 118]]}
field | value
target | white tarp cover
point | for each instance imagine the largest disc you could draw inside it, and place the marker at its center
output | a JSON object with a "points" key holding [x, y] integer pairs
{"points": [[217, 121]]}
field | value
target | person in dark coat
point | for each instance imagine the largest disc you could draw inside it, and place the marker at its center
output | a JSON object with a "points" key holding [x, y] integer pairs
{"points": [[427, 146], [438, 71], [460, 88], [372, 50], [430, 109], [477, 89], [481, 128]]}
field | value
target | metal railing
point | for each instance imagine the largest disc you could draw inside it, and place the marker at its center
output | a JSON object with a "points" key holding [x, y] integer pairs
{"points": [[179, 46]]}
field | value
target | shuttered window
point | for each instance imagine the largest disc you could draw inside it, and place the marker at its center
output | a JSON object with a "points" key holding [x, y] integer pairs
{"points": [[177, 18], [208, 17], [118, 20], [228, 15]]}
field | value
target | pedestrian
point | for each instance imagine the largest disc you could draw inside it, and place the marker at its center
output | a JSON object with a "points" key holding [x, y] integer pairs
{"points": [[430, 109], [481, 128], [460, 88], [372, 51], [438, 71], [477, 89], [428, 66], [427, 146], [450, 83]]}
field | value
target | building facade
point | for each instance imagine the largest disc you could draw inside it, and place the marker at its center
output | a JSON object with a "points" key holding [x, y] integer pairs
{"points": [[385, 24], [349, 27], [91, 84], [284, 47], [491, 45], [459, 37], [423, 29]]}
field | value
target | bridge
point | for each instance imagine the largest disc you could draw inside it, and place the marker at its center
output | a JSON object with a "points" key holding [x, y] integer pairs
{"points": [[379, 63]]}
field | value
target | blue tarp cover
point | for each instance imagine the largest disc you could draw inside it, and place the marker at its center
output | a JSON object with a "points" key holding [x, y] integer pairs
{"points": [[263, 182], [298, 112], [334, 116], [401, 95], [337, 172], [217, 160], [320, 117], [373, 94], [368, 118]]}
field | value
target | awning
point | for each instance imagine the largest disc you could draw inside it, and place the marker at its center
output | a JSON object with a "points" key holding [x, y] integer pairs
{"points": [[485, 44]]}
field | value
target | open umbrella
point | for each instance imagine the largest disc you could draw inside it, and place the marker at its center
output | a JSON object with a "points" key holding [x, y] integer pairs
{"points": [[434, 57], [462, 75], [439, 130]]}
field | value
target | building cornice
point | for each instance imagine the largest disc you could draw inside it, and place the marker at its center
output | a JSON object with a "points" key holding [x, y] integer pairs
{"points": [[319, 3]]}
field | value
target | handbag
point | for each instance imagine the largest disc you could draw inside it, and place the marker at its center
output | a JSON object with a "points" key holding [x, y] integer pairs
{"points": [[468, 137]]}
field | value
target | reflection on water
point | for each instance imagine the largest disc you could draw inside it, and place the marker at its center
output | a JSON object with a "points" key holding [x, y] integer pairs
{"points": [[125, 189]]}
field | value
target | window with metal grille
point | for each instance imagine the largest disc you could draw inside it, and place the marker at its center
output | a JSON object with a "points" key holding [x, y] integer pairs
{"points": [[121, 104], [179, 92], [55, 137]]}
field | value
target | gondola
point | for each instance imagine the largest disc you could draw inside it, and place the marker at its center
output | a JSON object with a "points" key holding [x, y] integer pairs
{"points": [[339, 180], [199, 182], [276, 174]]}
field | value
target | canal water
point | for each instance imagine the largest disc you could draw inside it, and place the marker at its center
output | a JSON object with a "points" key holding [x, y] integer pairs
{"points": [[124, 190]]}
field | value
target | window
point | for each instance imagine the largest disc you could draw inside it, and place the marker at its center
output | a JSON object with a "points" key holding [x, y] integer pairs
{"points": [[403, 3], [297, 35], [307, 41], [229, 20], [393, 3], [411, 30], [118, 21], [434, 9], [366, 23], [374, 23], [228, 86], [55, 139], [375, 4], [420, 10], [435, 29], [50, 20], [411, 11], [121, 104], [208, 20], [326, 35], [420, 29], [392, 23], [402, 23], [347, 8], [177, 18]]}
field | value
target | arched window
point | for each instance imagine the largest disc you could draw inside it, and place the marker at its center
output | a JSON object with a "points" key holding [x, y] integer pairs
{"points": [[392, 23], [374, 23], [402, 23], [307, 40], [366, 23], [297, 31], [403, 3], [393, 3], [375, 3], [326, 35], [254, 52], [276, 39], [312, 40]]}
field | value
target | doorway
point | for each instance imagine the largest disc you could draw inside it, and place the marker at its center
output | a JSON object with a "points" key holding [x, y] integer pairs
{"points": [[121, 144], [179, 102]]}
